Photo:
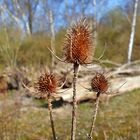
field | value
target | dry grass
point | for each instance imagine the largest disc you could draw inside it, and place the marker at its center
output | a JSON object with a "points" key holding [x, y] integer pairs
{"points": [[9, 117], [119, 120]]}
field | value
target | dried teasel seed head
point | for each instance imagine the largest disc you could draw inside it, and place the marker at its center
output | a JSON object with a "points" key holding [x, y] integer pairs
{"points": [[78, 43], [99, 83], [47, 84]]}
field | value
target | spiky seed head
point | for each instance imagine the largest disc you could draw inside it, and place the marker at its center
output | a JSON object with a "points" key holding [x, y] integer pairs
{"points": [[47, 83], [99, 83], [78, 43]]}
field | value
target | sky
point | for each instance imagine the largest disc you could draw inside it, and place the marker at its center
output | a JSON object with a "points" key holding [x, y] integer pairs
{"points": [[102, 9]]}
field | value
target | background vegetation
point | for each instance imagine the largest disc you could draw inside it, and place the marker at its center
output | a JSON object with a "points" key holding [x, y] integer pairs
{"points": [[113, 28]]}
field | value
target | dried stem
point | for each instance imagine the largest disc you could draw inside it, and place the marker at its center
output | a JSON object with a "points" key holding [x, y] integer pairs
{"points": [[51, 116], [73, 128], [94, 116]]}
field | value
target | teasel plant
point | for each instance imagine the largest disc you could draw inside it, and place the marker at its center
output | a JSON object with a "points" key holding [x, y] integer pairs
{"points": [[99, 84], [78, 49], [46, 87]]}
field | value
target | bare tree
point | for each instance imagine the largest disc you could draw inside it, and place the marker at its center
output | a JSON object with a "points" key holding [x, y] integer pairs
{"points": [[66, 13], [131, 41], [83, 7], [21, 12], [51, 23], [94, 24], [31, 9], [70, 12], [49, 14]]}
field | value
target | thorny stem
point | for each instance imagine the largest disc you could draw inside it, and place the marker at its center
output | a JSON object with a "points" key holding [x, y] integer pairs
{"points": [[73, 128], [94, 116], [51, 116]]}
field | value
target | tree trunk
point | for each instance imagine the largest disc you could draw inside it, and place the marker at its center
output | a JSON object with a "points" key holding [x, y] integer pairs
{"points": [[66, 13], [51, 22], [83, 8], [94, 24], [131, 41], [30, 17], [27, 28]]}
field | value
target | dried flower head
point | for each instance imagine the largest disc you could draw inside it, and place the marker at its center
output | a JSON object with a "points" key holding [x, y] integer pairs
{"points": [[47, 83], [78, 43], [99, 83]]}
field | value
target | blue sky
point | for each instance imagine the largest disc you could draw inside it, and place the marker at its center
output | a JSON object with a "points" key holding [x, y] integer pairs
{"points": [[102, 8], [59, 9]]}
